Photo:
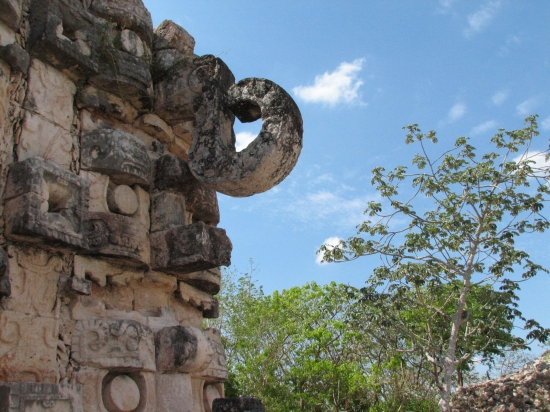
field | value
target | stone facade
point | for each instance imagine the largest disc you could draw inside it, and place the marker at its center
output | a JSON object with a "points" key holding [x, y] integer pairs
{"points": [[114, 139]]}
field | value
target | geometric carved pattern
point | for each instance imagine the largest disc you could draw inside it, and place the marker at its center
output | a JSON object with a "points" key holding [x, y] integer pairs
{"points": [[110, 343], [46, 203], [30, 397]]}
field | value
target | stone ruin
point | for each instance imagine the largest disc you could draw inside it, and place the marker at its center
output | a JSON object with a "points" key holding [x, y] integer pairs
{"points": [[114, 139], [525, 390]]}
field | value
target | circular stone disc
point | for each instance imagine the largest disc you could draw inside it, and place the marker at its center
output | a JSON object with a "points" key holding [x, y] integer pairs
{"points": [[121, 394], [122, 199]]}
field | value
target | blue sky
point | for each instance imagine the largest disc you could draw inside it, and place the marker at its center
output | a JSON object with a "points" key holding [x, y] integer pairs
{"points": [[360, 71]]}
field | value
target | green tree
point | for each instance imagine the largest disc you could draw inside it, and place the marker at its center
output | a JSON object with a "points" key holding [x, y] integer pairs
{"points": [[302, 350], [480, 206]]}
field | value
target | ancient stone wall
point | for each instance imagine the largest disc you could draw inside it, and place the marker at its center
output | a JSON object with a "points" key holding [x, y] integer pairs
{"points": [[525, 390], [114, 139]]}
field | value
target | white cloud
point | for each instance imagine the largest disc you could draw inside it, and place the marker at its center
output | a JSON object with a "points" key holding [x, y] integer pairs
{"points": [[331, 242], [511, 42], [243, 139], [481, 18], [500, 97], [456, 112], [545, 124], [340, 86], [484, 127], [527, 107], [538, 157], [445, 6]]}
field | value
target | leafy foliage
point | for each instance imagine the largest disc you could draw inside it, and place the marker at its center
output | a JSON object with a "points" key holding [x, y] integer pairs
{"points": [[436, 265]]}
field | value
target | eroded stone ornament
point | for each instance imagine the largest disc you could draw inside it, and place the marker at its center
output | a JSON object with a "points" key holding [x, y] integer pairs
{"points": [[267, 160], [45, 203]]}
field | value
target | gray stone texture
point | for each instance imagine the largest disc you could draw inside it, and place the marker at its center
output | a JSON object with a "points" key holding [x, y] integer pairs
{"points": [[267, 160], [17, 57], [172, 173], [182, 348], [169, 35], [190, 248], [11, 12], [57, 36], [129, 14], [5, 286], [206, 280], [237, 405], [119, 155], [45, 203], [177, 91]]}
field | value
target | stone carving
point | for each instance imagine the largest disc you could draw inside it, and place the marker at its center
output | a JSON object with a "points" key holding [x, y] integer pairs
{"points": [[34, 275], [182, 348], [117, 154], [49, 40], [114, 344], [192, 248], [237, 405], [28, 348], [267, 160], [46, 203], [216, 371], [205, 302], [114, 139], [40, 397]]}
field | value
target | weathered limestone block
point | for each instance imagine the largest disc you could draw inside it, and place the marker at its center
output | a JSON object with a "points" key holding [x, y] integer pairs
{"points": [[109, 104], [40, 397], [5, 285], [40, 137], [100, 394], [126, 76], [211, 392], [267, 160], [172, 173], [182, 348], [169, 35], [7, 35], [50, 94], [129, 14], [216, 370], [80, 286], [108, 344], [131, 43], [167, 211], [238, 405], [156, 127], [174, 390], [28, 348], [203, 301], [176, 93], [119, 237], [11, 12], [33, 276], [206, 280], [190, 248], [100, 271], [122, 200], [17, 57], [49, 42], [153, 292], [117, 154], [45, 203]]}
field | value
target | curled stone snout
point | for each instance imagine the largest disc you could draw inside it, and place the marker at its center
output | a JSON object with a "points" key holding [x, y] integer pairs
{"points": [[266, 161]]}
